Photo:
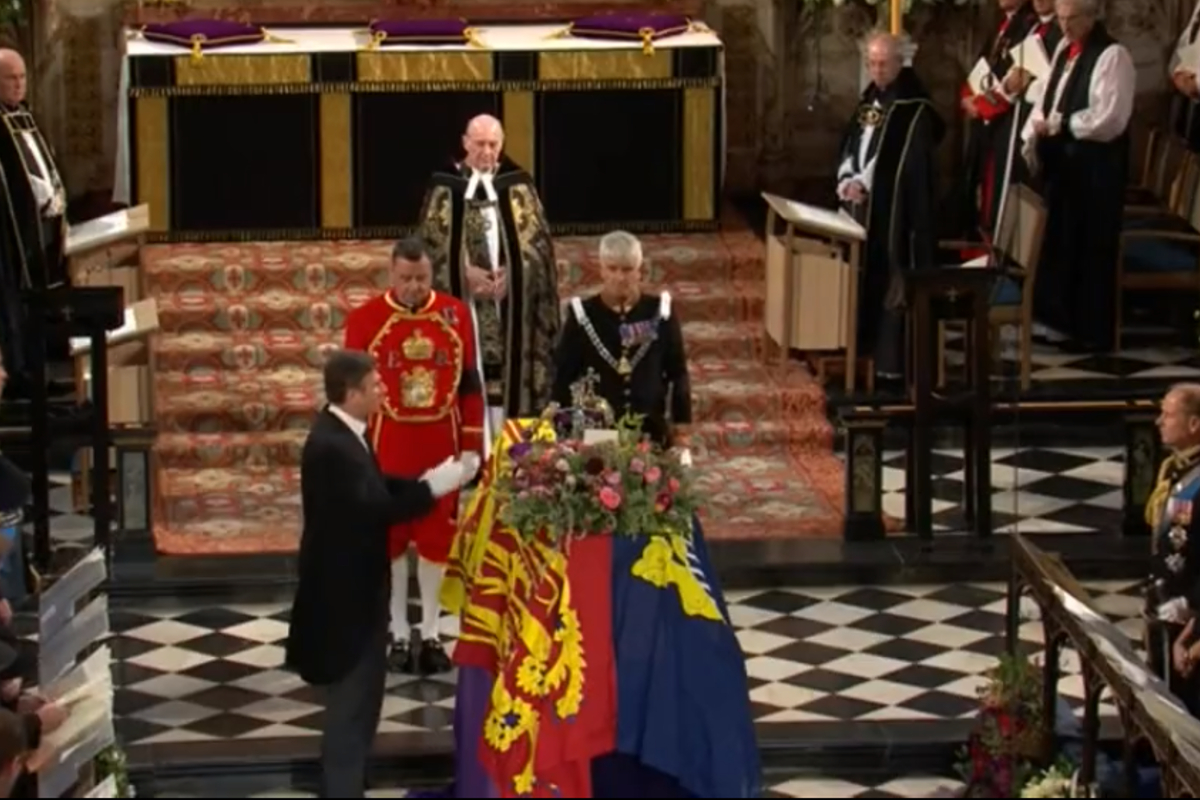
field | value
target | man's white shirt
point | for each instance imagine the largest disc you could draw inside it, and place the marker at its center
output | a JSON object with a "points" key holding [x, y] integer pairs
{"points": [[356, 425]]}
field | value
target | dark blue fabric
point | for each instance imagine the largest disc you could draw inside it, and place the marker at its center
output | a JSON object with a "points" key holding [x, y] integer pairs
{"points": [[683, 707], [1162, 256], [1006, 292]]}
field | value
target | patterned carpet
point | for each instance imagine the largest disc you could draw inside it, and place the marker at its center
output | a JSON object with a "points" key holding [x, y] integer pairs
{"points": [[245, 327]]}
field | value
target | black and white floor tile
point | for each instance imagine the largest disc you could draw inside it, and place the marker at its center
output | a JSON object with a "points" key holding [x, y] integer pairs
{"points": [[1049, 364], [822, 654], [1035, 490], [829, 784]]}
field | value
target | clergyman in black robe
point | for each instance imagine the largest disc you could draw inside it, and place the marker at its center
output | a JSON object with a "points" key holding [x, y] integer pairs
{"points": [[1077, 138], [627, 348], [32, 220], [1182, 69], [490, 244], [990, 134], [886, 180]]}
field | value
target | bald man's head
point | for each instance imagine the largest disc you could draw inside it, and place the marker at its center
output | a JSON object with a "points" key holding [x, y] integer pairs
{"points": [[12, 78], [483, 142], [1179, 419], [883, 59]]}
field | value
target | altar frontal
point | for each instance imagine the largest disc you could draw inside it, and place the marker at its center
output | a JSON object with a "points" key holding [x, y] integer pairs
{"points": [[332, 132]]}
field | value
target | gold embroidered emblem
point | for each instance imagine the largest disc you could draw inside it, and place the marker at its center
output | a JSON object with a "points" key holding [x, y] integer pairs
{"points": [[417, 387], [869, 116], [418, 347]]}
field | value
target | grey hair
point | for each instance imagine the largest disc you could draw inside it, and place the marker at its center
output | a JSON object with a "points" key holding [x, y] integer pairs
{"points": [[1090, 8], [620, 247], [889, 43]]}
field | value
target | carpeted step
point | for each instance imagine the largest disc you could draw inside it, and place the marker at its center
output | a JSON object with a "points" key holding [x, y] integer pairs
{"points": [[302, 309], [200, 353], [261, 267], [219, 400], [762, 495], [257, 450]]}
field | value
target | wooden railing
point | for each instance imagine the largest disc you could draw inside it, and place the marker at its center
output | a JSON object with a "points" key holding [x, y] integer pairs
{"points": [[1108, 660]]}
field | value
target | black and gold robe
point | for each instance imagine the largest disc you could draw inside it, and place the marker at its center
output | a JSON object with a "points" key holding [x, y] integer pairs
{"points": [[899, 212], [517, 334]]}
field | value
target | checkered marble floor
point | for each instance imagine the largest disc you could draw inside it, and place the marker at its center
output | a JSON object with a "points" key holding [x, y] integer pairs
{"points": [[1050, 364], [827, 784], [813, 654], [1035, 490]]}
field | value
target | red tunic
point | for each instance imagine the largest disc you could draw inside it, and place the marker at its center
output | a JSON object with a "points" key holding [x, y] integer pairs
{"points": [[433, 406]]}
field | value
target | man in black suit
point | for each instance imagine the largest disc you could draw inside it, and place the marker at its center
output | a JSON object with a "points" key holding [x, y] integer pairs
{"points": [[339, 626]]}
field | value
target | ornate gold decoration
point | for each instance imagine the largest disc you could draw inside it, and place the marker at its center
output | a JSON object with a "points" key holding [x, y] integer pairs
{"points": [[417, 388], [440, 66], [604, 65], [244, 70], [418, 347], [519, 128], [153, 147]]}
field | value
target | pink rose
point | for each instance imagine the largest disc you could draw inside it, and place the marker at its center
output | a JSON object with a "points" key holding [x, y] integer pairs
{"points": [[673, 485], [652, 476], [613, 478], [643, 447], [637, 466], [610, 498]]}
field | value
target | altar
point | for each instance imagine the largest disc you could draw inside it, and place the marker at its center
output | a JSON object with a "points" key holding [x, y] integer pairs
{"points": [[314, 133]]}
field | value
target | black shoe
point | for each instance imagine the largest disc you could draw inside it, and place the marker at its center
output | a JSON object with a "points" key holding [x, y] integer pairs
{"points": [[432, 660], [400, 659]]}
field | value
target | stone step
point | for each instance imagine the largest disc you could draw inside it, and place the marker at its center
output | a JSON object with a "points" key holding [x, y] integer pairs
{"points": [[774, 493], [204, 352], [252, 267], [321, 309], [219, 400], [257, 450]]}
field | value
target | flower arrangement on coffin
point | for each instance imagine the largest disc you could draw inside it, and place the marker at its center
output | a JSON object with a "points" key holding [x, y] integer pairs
{"points": [[557, 484], [1058, 780], [1008, 744], [111, 761]]}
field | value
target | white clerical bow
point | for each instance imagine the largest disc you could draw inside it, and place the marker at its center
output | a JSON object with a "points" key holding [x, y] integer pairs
{"points": [[486, 178]]}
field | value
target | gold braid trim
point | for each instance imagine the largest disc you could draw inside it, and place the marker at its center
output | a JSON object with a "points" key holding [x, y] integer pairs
{"points": [[1173, 468]]}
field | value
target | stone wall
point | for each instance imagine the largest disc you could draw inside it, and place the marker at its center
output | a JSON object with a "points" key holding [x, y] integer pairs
{"points": [[793, 75]]}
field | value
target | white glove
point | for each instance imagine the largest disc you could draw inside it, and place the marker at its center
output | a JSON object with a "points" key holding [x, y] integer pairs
{"points": [[1174, 611], [685, 457], [445, 477], [470, 465]]}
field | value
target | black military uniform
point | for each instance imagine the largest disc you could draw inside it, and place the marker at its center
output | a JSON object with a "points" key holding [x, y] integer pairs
{"points": [[636, 355], [1173, 588]]}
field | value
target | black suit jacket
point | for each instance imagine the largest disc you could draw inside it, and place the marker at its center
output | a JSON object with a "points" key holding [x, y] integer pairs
{"points": [[341, 603]]}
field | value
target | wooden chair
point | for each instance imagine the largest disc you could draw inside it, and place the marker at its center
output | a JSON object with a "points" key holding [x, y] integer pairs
{"points": [[1156, 200], [1019, 244], [1162, 254]]}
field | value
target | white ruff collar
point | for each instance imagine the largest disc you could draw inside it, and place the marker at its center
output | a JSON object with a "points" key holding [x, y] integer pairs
{"points": [[485, 178]]}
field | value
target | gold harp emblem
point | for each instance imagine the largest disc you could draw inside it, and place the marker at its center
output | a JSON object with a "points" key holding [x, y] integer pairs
{"points": [[417, 387], [418, 347]]}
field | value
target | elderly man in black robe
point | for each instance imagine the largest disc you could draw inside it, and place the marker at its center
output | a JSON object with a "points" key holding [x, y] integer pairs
{"points": [[32, 221], [886, 180], [1077, 138]]}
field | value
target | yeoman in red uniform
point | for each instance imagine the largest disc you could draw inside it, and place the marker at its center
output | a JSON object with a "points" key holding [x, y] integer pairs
{"points": [[433, 409]]}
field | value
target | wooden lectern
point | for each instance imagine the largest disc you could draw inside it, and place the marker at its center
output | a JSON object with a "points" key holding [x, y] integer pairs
{"points": [[934, 295], [812, 280], [105, 252]]}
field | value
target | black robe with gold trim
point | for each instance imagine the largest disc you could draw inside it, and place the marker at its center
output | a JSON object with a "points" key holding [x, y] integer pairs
{"points": [[899, 212], [517, 339]]}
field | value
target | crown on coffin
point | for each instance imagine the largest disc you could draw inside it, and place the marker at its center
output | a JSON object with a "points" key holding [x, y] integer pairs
{"points": [[587, 412], [418, 347]]}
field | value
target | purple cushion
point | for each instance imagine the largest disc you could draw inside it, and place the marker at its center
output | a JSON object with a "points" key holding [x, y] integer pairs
{"points": [[204, 34], [421, 31], [645, 28]]}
